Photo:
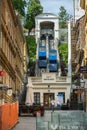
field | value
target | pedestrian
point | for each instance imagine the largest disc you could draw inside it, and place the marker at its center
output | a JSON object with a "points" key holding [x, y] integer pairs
{"points": [[68, 104], [58, 105], [53, 104]]}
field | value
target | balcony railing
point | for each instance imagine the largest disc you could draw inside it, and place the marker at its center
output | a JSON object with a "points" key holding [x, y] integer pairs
{"points": [[57, 79]]}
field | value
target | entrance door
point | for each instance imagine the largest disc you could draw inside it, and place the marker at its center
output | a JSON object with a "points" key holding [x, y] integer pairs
{"points": [[47, 99]]}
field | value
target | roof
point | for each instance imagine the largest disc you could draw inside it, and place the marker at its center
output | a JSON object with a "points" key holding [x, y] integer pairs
{"points": [[46, 15]]}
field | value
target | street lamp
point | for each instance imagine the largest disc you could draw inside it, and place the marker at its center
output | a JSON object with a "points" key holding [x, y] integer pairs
{"points": [[80, 86], [82, 83]]}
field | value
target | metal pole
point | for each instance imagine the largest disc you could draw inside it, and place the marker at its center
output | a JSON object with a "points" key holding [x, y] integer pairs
{"points": [[84, 100], [69, 51]]}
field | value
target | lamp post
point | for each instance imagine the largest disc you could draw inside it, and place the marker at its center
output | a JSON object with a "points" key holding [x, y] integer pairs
{"points": [[49, 94], [80, 86]]}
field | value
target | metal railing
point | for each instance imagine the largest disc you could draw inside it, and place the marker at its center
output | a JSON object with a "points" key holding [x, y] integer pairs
{"points": [[58, 79]]}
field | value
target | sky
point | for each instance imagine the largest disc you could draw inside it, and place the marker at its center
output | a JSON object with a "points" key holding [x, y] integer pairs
{"points": [[52, 6]]}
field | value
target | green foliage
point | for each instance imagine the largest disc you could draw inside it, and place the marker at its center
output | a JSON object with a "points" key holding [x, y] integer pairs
{"points": [[63, 51], [63, 17], [63, 35], [34, 9], [32, 48], [32, 53], [36, 108], [19, 5]]}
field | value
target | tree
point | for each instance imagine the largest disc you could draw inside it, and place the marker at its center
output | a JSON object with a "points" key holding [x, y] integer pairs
{"points": [[32, 53], [63, 52], [19, 5], [63, 17], [34, 9]]}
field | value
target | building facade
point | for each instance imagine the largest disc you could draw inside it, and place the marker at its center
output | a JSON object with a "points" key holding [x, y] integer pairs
{"points": [[78, 43], [79, 55], [83, 4], [42, 90], [47, 39], [48, 84], [12, 48], [78, 11]]}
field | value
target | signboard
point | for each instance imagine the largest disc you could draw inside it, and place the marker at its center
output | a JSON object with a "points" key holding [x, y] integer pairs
{"points": [[48, 77], [9, 91], [83, 69], [78, 92]]}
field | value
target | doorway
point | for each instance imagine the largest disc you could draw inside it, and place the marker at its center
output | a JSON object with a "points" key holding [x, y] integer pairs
{"points": [[47, 99]]}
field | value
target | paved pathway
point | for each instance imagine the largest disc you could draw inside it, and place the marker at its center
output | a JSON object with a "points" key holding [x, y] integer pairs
{"points": [[29, 122], [26, 123]]}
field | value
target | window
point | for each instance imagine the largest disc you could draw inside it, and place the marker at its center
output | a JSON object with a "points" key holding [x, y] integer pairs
{"points": [[37, 98]]}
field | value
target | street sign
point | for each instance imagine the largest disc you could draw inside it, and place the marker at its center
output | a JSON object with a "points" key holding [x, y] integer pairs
{"points": [[78, 92], [83, 69], [9, 91]]}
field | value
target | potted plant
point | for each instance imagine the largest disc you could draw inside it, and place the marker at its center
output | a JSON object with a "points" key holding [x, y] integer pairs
{"points": [[37, 110]]}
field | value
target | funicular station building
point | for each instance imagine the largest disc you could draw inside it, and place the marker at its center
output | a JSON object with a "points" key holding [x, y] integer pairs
{"points": [[47, 84]]}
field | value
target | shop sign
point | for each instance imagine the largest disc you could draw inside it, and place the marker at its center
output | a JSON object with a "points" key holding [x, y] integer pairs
{"points": [[78, 92], [48, 78], [9, 91], [83, 69]]}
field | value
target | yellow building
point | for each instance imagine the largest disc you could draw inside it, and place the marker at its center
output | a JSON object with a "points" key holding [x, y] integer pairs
{"points": [[12, 47], [83, 4], [79, 54]]}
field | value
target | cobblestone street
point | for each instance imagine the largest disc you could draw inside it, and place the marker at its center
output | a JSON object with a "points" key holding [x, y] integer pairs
{"points": [[26, 123]]}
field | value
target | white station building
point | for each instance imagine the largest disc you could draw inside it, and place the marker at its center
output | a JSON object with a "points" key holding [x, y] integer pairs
{"points": [[47, 84]]}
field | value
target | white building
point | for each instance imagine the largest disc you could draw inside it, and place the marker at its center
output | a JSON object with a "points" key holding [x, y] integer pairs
{"points": [[47, 85], [79, 12], [47, 26], [46, 88]]}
